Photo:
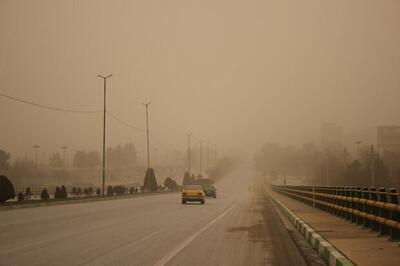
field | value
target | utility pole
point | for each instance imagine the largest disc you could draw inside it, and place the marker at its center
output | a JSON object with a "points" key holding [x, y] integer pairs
{"points": [[147, 131], [64, 148], [372, 166], [215, 156], [201, 155], [327, 168], [188, 135], [35, 152], [344, 165], [104, 128], [358, 142]]}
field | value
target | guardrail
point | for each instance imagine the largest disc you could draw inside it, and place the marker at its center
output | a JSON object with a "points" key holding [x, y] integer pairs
{"points": [[373, 208]]}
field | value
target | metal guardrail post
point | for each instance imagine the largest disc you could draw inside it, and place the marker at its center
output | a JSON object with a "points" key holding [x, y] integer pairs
{"points": [[393, 198], [359, 206], [382, 196], [347, 203], [313, 196], [342, 203], [366, 208], [335, 201], [374, 209], [353, 205]]}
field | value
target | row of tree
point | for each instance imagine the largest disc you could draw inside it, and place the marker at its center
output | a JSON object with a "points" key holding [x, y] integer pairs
{"points": [[329, 166]]}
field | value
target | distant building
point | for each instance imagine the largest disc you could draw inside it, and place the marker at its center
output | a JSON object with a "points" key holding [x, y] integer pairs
{"points": [[331, 135], [388, 138]]}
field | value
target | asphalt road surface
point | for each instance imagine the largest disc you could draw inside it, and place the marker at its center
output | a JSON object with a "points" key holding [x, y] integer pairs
{"points": [[240, 227]]}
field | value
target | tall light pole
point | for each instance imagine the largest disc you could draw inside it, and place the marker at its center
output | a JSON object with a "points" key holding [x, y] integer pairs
{"points": [[105, 77], [372, 166], [215, 156], [35, 152], [358, 142], [147, 131], [201, 155], [188, 135], [64, 148]]}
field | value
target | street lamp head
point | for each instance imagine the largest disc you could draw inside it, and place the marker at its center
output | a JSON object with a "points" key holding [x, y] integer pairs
{"points": [[105, 77]]}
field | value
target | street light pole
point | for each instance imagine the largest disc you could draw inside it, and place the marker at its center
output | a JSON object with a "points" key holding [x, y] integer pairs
{"points": [[104, 128], [358, 142], [201, 154], [215, 155], [189, 135], [372, 166], [64, 148], [147, 131], [35, 148]]}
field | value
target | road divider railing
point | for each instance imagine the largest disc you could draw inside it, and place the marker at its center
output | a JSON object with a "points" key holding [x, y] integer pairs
{"points": [[370, 207]]}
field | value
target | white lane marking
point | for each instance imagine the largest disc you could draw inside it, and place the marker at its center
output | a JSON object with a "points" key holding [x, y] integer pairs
{"points": [[164, 260]]}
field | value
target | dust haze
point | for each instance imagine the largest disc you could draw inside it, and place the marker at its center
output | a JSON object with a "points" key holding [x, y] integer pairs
{"points": [[235, 73]]}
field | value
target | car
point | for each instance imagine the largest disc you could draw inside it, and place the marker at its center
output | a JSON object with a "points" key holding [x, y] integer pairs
{"points": [[193, 193], [210, 191]]}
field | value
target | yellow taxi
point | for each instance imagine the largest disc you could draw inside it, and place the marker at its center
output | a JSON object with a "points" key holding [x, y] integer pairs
{"points": [[193, 193]]}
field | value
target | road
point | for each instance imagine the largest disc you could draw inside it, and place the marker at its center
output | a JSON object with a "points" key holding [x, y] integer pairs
{"points": [[240, 227]]}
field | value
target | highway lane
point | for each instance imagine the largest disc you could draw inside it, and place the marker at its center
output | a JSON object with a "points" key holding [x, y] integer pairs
{"points": [[238, 228]]}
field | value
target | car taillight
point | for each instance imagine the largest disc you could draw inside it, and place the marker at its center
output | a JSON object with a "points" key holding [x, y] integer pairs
{"points": [[200, 194], [184, 193]]}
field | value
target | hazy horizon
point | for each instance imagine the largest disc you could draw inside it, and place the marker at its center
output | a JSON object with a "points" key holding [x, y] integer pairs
{"points": [[235, 73]]}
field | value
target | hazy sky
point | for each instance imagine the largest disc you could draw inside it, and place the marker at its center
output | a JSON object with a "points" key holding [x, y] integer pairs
{"points": [[237, 73]]}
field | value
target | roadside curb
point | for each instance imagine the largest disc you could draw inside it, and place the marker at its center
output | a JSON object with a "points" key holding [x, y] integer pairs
{"points": [[76, 201], [326, 250]]}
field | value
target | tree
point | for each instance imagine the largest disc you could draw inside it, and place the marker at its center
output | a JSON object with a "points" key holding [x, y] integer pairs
{"points": [[79, 160], [56, 161], [4, 164], [121, 156], [150, 181], [83, 159], [7, 190], [110, 191], [188, 180], [93, 159], [170, 184]]}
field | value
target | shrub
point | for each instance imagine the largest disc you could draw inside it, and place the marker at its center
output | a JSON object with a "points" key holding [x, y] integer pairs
{"points": [[110, 191], [63, 192], [28, 192], [119, 190], [150, 181], [7, 190], [44, 195], [79, 191], [20, 196], [170, 184], [90, 191], [131, 190], [57, 193], [74, 192], [136, 190], [98, 191]]}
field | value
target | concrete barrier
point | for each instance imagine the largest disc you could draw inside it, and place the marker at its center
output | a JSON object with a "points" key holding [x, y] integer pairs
{"points": [[52, 202], [326, 250]]}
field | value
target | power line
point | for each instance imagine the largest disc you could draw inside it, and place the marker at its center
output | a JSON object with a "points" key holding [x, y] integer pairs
{"points": [[47, 106], [138, 129], [125, 123]]}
